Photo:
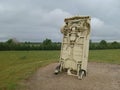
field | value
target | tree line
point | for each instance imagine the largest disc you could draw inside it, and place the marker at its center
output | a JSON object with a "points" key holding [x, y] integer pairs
{"points": [[47, 44], [104, 45]]}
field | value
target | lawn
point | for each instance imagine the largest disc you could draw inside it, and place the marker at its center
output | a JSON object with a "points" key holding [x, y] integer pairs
{"points": [[19, 65], [105, 56]]}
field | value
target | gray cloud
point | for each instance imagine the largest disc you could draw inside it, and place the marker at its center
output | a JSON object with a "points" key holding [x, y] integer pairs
{"points": [[35, 20]]}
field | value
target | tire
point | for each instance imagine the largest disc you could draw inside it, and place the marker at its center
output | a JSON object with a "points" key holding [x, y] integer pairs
{"points": [[82, 73], [57, 69]]}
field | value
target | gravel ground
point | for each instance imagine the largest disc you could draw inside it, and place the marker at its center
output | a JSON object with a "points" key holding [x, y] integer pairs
{"points": [[100, 76]]}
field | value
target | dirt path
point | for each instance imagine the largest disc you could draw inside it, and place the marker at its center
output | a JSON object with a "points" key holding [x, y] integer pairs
{"points": [[100, 77]]}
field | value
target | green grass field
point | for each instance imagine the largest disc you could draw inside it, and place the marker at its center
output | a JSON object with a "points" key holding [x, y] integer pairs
{"points": [[105, 56], [19, 65]]}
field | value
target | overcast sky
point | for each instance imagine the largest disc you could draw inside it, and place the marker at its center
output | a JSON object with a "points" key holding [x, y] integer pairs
{"points": [[36, 20]]}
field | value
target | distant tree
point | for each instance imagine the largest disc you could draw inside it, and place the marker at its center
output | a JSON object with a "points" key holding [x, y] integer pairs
{"points": [[2, 46], [9, 41], [12, 41], [91, 45], [114, 45], [103, 45], [47, 42]]}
